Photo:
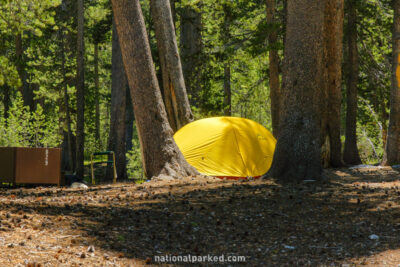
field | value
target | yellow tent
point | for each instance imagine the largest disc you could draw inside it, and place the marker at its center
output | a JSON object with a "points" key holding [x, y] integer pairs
{"points": [[227, 147]]}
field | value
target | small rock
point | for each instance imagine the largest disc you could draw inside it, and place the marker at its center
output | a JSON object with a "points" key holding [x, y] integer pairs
{"points": [[83, 255], [373, 237], [289, 247], [79, 185], [90, 249]]}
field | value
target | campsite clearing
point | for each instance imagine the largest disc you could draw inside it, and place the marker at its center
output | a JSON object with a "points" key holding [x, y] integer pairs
{"points": [[272, 225]]}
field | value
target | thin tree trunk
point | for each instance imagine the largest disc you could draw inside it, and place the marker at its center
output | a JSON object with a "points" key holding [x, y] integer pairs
{"points": [[96, 86], [175, 96], [227, 68], [129, 120], [26, 91], [227, 90], [274, 85], [384, 119], [67, 109], [116, 141], [191, 47], [6, 100], [160, 154], [298, 150], [392, 149], [80, 94], [334, 13], [350, 153]]}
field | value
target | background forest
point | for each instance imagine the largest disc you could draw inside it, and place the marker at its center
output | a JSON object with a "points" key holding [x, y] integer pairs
{"points": [[225, 51]]}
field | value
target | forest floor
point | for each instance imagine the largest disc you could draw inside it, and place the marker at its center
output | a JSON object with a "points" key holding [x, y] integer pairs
{"points": [[352, 219]]}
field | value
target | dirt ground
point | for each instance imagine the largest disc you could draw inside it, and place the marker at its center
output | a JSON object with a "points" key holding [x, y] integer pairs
{"points": [[352, 219]]}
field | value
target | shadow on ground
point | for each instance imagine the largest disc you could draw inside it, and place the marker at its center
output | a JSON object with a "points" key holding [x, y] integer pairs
{"points": [[270, 224]]}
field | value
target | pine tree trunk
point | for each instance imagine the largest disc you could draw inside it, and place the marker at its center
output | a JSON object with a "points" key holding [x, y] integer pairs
{"points": [[227, 90], [350, 153], [334, 13], [392, 149], [26, 91], [68, 134], [274, 85], [175, 96], [96, 86], [227, 68], [298, 150], [116, 141], [80, 93], [173, 12], [160, 153], [129, 120], [191, 47], [6, 100]]}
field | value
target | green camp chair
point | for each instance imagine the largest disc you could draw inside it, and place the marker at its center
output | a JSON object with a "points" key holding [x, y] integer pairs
{"points": [[103, 162]]}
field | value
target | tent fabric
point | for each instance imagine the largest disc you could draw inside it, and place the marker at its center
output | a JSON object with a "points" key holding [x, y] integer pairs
{"points": [[227, 146]]}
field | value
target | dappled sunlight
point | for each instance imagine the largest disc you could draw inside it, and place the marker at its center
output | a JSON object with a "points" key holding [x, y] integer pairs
{"points": [[272, 224]]}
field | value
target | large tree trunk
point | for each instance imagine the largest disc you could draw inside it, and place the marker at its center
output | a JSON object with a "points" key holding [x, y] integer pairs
{"points": [[334, 50], [116, 141], [160, 154], [190, 44], [175, 97], [274, 85], [173, 12], [26, 91], [350, 153], [80, 94], [392, 149], [96, 86], [298, 150]]}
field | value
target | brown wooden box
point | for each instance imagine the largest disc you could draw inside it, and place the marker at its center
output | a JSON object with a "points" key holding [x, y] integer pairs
{"points": [[22, 165]]}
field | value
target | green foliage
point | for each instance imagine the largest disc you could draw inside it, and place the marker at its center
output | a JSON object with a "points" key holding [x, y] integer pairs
{"points": [[134, 166], [233, 33], [375, 49], [8, 73], [20, 16], [28, 129]]}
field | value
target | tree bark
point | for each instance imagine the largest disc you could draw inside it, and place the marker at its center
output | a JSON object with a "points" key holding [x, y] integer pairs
{"points": [[227, 68], [116, 141], [191, 47], [298, 150], [96, 86], [227, 90], [129, 120], [175, 96], [26, 91], [173, 12], [160, 154], [334, 12], [274, 85], [71, 164], [392, 149], [350, 153], [6, 100], [80, 93]]}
